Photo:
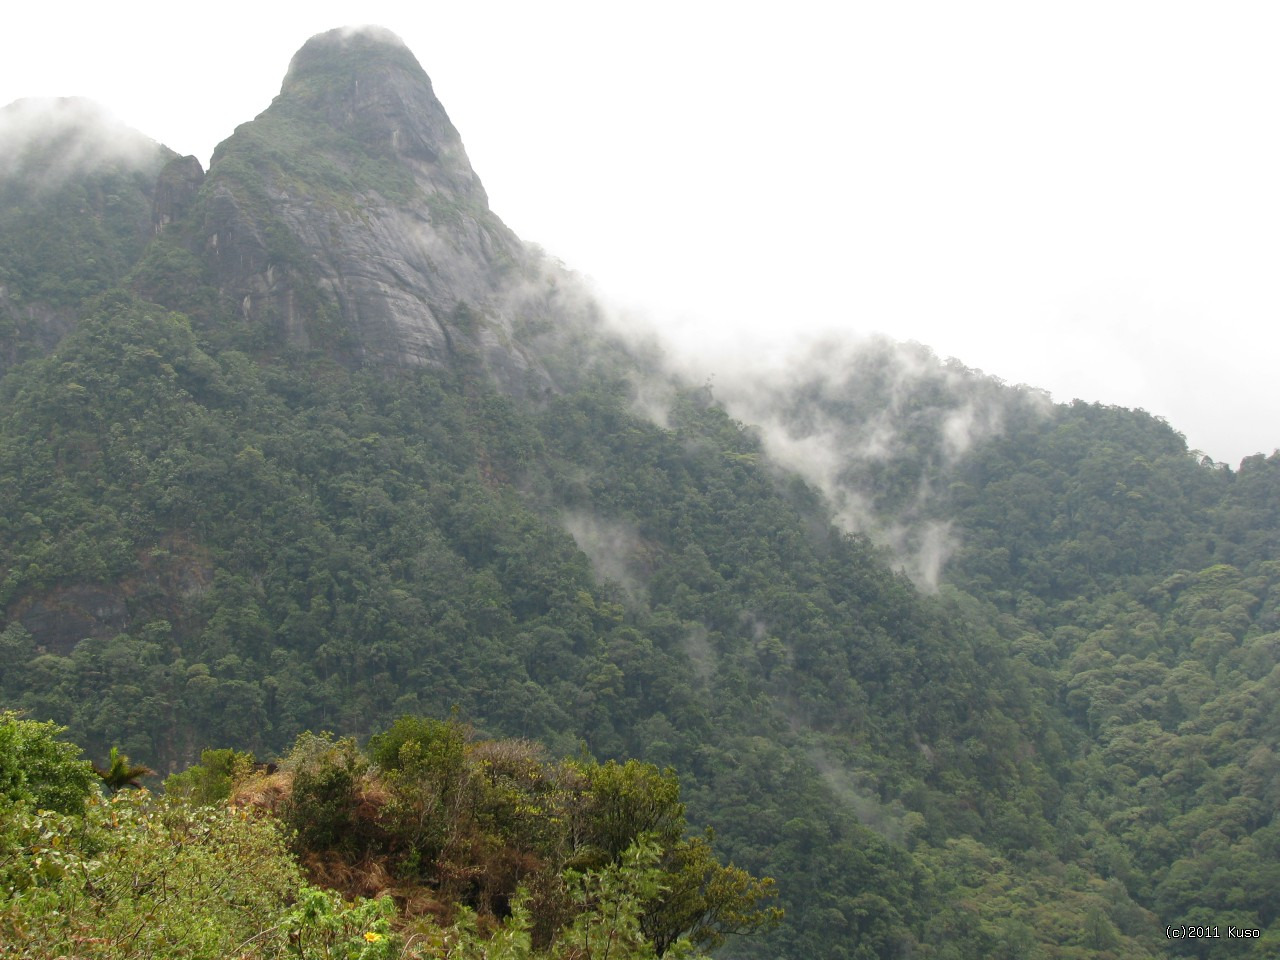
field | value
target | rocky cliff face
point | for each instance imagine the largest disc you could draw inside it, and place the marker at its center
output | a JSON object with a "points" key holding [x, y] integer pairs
{"points": [[176, 191], [347, 217]]}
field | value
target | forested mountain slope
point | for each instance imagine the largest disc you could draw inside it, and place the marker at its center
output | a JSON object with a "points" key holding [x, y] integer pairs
{"points": [[334, 447]]}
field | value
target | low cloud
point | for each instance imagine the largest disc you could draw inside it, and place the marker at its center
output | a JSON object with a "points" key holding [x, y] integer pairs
{"points": [[875, 425], [859, 798], [47, 139], [612, 547]]}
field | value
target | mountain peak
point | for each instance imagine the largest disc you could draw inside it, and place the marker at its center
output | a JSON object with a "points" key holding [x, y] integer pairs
{"points": [[347, 216], [349, 50], [365, 83], [57, 136], [356, 34]]}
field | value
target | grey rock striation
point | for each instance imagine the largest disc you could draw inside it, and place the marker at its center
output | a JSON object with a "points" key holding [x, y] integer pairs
{"points": [[347, 217], [177, 189]]}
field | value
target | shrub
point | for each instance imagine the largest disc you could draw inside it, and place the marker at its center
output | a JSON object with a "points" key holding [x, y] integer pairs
{"points": [[39, 770], [212, 779], [324, 806], [141, 878]]}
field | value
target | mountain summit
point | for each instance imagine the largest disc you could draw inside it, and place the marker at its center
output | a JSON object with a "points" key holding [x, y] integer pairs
{"points": [[346, 217], [367, 85], [53, 138]]}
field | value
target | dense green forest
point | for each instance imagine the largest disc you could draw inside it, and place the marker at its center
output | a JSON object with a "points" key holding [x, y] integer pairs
{"points": [[224, 532]]}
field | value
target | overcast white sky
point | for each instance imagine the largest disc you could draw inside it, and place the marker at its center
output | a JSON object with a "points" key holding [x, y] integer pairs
{"points": [[1080, 196]]}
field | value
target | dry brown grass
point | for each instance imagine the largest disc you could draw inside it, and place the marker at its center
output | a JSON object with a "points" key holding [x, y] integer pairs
{"points": [[371, 796], [521, 760], [368, 877], [419, 901], [264, 792]]}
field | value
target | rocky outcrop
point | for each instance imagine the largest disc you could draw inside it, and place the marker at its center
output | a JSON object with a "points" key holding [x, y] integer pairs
{"points": [[347, 217], [62, 618], [29, 329], [177, 187]]}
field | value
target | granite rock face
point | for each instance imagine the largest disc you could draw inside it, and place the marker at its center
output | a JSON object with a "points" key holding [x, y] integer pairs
{"points": [[347, 217], [62, 618], [177, 188]]}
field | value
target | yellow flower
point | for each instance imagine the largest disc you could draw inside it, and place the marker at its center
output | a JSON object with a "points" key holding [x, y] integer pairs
{"points": [[373, 937]]}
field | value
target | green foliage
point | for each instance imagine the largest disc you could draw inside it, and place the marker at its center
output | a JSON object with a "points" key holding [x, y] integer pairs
{"points": [[136, 878], [40, 771], [103, 217], [491, 825], [132, 876], [211, 780], [417, 746], [613, 903], [325, 794], [120, 773], [704, 901], [323, 926], [627, 801], [607, 904]]}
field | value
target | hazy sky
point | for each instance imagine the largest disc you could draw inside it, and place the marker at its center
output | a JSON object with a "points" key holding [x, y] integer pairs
{"points": [[1080, 196]]}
